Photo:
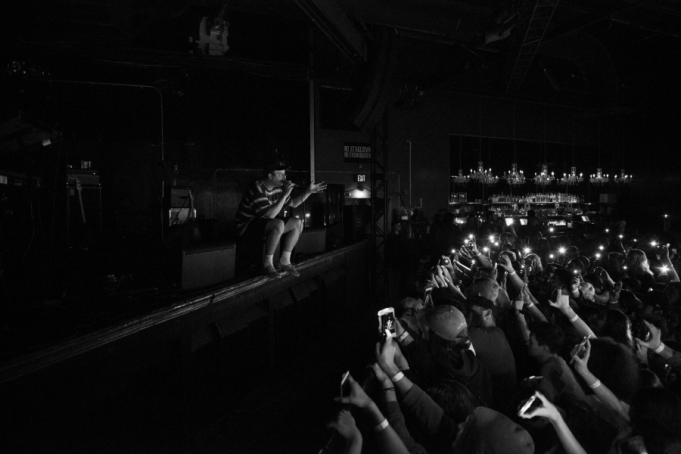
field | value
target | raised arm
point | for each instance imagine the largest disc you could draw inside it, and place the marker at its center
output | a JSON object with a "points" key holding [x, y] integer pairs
{"points": [[563, 304], [386, 436], [580, 359], [512, 276], [311, 189], [550, 412]]}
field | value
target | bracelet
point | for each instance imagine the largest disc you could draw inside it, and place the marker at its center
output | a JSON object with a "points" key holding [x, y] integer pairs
{"points": [[574, 319], [397, 377], [659, 349], [385, 390], [512, 273], [381, 426], [402, 336], [595, 384], [530, 304]]}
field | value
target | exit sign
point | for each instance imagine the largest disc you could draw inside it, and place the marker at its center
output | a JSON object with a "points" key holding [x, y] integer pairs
{"points": [[361, 178]]}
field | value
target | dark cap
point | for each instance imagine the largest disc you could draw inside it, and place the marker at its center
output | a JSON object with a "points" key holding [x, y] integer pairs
{"points": [[274, 165]]}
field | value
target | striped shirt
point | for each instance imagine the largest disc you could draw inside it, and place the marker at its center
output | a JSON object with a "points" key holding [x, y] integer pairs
{"points": [[255, 203]]}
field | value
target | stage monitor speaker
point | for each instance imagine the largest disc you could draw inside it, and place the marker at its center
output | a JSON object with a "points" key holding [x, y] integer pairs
{"points": [[83, 215], [311, 241], [206, 264]]}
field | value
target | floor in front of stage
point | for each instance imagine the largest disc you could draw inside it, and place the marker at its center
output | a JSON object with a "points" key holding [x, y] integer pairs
{"points": [[236, 405]]}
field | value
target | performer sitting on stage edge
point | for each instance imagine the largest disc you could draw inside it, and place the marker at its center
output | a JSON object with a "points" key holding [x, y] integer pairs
{"points": [[261, 216]]}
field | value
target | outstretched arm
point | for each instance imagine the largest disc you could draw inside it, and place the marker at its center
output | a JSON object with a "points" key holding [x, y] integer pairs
{"points": [[550, 412], [563, 304], [581, 360], [386, 436], [312, 189]]}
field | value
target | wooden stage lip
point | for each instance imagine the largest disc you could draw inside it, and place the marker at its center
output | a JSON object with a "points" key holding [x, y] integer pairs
{"points": [[194, 310]]}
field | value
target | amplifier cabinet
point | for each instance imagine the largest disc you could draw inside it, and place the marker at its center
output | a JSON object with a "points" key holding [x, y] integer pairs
{"points": [[311, 241], [207, 264]]}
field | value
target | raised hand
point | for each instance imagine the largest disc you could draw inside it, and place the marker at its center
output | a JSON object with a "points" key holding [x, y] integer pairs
{"points": [[547, 409], [562, 302], [655, 338], [505, 263], [581, 363], [381, 376], [345, 425], [385, 356], [317, 187], [357, 395]]}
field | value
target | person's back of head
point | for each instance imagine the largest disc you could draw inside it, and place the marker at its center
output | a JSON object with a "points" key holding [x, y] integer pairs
{"points": [[656, 416], [617, 326], [489, 432], [547, 334], [455, 399], [616, 366]]}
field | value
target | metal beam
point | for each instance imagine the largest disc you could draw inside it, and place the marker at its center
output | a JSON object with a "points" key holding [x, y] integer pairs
{"points": [[332, 21]]}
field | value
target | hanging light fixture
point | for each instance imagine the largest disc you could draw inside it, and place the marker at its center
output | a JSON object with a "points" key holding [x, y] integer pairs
{"points": [[488, 179], [573, 179], [623, 178], [481, 175], [544, 179], [514, 177], [599, 179], [460, 179]]}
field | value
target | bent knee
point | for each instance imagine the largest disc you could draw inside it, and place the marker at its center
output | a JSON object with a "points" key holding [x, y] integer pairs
{"points": [[276, 225]]}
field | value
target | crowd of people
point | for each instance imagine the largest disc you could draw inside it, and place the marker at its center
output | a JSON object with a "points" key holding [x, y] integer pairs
{"points": [[521, 342]]}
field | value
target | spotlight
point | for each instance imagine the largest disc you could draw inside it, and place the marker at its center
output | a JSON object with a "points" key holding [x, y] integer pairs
{"points": [[550, 256], [550, 229], [496, 243], [664, 269], [485, 249], [470, 237], [598, 256], [621, 236], [607, 230], [491, 238], [653, 243], [561, 250], [453, 251], [601, 247], [624, 267], [526, 250]]}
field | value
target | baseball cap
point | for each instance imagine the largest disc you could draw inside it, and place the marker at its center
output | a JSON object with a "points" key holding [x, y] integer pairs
{"points": [[276, 164], [446, 321]]}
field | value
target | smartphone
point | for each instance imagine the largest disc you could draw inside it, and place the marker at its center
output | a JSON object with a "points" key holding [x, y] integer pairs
{"points": [[641, 331], [386, 321], [427, 298], [530, 404], [581, 345], [345, 385]]}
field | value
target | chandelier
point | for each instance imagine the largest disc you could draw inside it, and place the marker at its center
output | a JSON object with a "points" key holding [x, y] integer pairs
{"points": [[515, 177], [544, 179], [483, 176], [460, 178], [599, 179], [573, 179], [622, 178]]}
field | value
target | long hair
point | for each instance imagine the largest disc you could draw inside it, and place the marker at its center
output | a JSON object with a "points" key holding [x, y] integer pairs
{"points": [[637, 263]]}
